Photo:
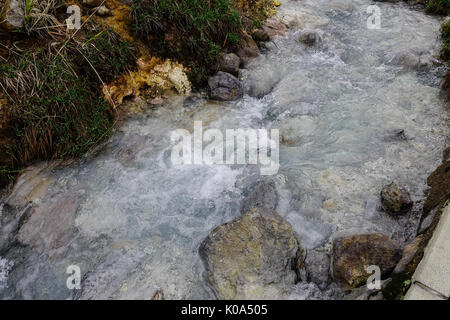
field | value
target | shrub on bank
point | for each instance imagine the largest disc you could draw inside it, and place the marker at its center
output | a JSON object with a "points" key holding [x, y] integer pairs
{"points": [[194, 32]]}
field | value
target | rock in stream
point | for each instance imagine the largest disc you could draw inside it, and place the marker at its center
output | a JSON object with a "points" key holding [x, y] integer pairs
{"points": [[251, 257]]}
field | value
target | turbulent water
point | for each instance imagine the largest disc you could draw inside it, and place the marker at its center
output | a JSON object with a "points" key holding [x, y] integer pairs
{"points": [[132, 221]]}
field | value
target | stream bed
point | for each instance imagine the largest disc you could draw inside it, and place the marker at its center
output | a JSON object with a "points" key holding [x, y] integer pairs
{"points": [[360, 108]]}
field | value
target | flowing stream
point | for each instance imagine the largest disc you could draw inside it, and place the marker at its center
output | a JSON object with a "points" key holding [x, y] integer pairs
{"points": [[132, 221]]}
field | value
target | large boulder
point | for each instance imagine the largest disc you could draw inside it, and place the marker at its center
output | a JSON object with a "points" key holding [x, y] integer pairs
{"points": [[225, 87], [353, 254], [254, 256], [395, 199]]}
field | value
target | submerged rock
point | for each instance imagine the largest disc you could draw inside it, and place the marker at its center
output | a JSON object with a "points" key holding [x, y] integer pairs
{"points": [[395, 199], [252, 257], [352, 255], [317, 265], [407, 60], [310, 37], [225, 87], [50, 227], [303, 20], [261, 82], [230, 63], [395, 135]]}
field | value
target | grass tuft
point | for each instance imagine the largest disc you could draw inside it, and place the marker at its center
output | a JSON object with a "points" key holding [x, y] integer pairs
{"points": [[193, 32]]}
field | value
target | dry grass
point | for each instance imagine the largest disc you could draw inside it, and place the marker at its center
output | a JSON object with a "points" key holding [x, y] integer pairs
{"points": [[52, 81]]}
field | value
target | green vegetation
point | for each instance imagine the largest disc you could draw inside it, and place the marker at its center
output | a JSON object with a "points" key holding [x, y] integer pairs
{"points": [[254, 12], [438, 7], [193, 32], [53, 92]]}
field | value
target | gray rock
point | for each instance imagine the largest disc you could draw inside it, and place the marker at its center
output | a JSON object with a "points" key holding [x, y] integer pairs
{"points": [[395, 199], [225, 87], [428, 220], [12, 15], [230, 63], [263, 194], [51, 226], [317, 265], [263, 80], [395, 135], [252, 257]]}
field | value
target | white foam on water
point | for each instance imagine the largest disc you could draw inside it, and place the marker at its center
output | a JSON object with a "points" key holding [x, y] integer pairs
{"points": [[5, 267]]}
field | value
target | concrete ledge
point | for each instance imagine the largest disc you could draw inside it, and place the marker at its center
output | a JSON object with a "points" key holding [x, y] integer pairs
{"points": [[417, 292], [432, 277]]}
